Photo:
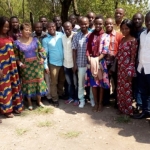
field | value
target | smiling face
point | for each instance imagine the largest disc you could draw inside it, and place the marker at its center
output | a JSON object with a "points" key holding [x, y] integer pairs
{"points": [[119, 14], [138, 20], [14, 23], [125, 30], [43, 20], [5, 28], [84, 24], [98, 24], [26, 32], [58, 21], [109, 25], [51, 27], [38, 28], [68, 29]]}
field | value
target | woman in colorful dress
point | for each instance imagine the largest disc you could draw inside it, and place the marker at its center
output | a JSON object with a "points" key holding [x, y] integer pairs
{"points": [[97, 47], [10, 94], [29, 55], [126, 68]]}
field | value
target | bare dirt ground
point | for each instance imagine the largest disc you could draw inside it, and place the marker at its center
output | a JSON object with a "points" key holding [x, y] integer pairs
{"points": [[71, 128]]}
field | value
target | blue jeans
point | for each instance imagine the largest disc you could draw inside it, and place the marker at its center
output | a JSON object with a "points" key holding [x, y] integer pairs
{"points": [[72, 80], [144, 90]]}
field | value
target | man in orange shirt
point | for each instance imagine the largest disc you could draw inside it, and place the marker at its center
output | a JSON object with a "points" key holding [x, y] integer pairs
{"points": [[115, 39]]}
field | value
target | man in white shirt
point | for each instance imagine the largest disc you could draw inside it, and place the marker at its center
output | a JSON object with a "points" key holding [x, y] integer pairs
{"points": [[73, 20], [144, 69], [71, 77]]}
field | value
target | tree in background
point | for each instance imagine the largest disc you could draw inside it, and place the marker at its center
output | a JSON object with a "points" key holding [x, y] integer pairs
{"points": [[50, 8]]}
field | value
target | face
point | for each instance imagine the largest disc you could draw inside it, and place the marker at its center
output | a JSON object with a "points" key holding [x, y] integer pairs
{"points": [[26, 32], [15, 23], [109, 25], [147, 22], [119, 14], [58, 22], [125, 30], [43, 21], [98, 24], [137, 20], [84, 24], [5, 28], [91, 17], [73, 20], [68, 29], [51, 28], [38, 28]]}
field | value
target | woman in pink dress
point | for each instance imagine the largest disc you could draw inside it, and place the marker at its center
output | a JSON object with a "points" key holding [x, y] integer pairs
{"points": [[126, 68]]}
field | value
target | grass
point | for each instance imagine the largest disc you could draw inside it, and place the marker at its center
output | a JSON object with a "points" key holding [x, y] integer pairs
{"points": [[21, 131], [24, 113], [71, 134], [45, 124], [123, 119], [45, 110]]}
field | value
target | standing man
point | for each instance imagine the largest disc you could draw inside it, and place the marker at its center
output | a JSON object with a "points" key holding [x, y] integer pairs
{"points": [[144, 69], [43, 20], [54, 48], [79, 43], [57, 20], [119, 14], [138, 20], [73, 20], [115, 39], [91, 17], [14, 28]]}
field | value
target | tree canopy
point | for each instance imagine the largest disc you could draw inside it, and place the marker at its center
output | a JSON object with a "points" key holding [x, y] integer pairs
{"points": [[49, 8]]}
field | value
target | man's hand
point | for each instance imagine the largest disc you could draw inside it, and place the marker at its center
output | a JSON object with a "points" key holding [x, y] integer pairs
{"points": [[75, 68], [47, 71]]}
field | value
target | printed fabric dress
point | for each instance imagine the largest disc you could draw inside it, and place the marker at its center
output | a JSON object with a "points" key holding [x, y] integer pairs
{"points": [[10, 90], [33, 75], [126, 68], [98, 43]]}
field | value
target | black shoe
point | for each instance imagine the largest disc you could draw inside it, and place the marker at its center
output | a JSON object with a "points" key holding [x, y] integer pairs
{"points": [[50, 100], [55, 103], [63, 97], [140, 116]]}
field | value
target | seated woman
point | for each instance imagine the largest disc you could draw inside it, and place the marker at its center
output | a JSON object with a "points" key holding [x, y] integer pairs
{"points": [[126, 68], [10, 91], [97, 74], [29, 55]]}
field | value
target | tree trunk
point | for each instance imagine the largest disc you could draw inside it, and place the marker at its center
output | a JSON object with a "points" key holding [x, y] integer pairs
{"points": [[75, 8], [65, 4], [23, 9]]}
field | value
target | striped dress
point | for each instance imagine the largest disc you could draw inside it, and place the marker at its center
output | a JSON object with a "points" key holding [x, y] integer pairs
{"points": [[10, 90]]}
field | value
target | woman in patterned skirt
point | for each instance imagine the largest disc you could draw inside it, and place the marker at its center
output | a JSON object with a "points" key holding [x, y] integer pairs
{"points": [[126, 68], [29, 56], [10, 95]]}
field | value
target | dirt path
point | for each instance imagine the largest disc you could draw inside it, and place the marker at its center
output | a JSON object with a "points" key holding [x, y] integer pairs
{"points": [[71, 128]]}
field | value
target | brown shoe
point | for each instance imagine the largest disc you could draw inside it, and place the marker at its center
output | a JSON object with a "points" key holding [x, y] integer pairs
{"points": [[9, 115]]}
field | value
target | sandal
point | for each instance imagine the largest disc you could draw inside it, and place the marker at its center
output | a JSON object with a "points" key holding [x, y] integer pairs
{"points": [[9, 115], [41, 104], [30, 107]]}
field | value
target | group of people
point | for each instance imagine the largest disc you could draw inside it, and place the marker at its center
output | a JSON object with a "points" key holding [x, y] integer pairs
{"points": [[87, 54]]}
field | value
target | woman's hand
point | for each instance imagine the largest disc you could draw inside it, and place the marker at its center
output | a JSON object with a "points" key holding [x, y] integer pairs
{"points": [[41, 62], [1, 74]]}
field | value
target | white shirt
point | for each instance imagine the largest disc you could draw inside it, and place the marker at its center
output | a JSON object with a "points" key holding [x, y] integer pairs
{"points": [[144, 52], [68, 52]]}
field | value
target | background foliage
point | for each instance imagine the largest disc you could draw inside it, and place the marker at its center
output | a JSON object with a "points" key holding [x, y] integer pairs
{"points": [[49, 8]]}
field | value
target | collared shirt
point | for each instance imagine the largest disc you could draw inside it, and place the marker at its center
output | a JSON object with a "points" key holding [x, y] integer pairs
{"points": [[144, 52], [40, 38], [117, 27], [79, 43], [76, 28], [54, 48], [68, 56]]}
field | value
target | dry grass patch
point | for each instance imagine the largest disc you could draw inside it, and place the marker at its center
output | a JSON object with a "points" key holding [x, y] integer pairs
{"points": [[123, 119], [71, 134], [45, 124], [21, 131], [43, 111]]}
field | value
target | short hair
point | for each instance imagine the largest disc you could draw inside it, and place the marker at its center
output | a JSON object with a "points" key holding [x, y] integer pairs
{"points": [[24, 25], [91, 13], [72, 15], [51, 23], [147, 14], [37, 23], [99, 17], [3, 20], [67, 23], [42, 17], [139, 14], [56, 17], [13, 17], [129, 24]]}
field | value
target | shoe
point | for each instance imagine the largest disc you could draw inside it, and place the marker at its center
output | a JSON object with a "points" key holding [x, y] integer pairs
{"points": [[92, 102], [9, 115], [76, 103], [63, 97], [30, 107], [140, 116], [50, 100], [81, 105], [55, 103], [70, 100], [41, 105]]}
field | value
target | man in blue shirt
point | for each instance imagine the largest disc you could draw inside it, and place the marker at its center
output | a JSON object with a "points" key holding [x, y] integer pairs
{"points": [[53, 46]]}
